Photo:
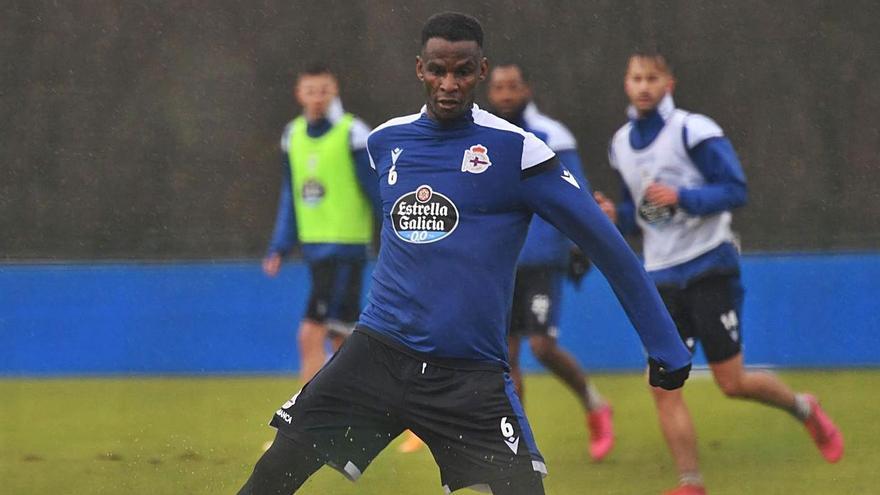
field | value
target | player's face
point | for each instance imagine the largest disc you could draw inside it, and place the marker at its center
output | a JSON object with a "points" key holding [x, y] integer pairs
{"points": [[508, 92], [450, 71], [315, 93], [646, 84]]}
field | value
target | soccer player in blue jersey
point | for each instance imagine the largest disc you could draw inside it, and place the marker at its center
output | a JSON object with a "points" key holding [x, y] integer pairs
{"points": [[327, 194], [681, 178], [458, 187], [546, 257]]}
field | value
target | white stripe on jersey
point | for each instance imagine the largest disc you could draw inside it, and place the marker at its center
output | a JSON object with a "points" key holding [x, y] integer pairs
{"points": [[406, 119], [535, 152]]}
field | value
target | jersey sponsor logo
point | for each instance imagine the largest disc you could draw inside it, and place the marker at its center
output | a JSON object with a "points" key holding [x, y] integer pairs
{"points": [[655, 214], [395, 154], [567, 177], [423, 216], [283, 414], [288, 404], [509, 435], [312, 192], [476, 159]]}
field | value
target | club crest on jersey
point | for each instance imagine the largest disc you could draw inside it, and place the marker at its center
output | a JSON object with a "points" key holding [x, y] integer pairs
{"points": [[423, 216], [476, 159]]}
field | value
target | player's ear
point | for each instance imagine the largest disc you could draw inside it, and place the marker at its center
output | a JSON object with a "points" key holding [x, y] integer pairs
{"points": [[484, 69], [670, 86], [420, 68]]}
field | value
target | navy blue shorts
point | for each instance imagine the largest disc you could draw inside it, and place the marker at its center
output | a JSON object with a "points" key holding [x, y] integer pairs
{"points": [[373, 389], [536, 296], [709, 311], [335, 299]]}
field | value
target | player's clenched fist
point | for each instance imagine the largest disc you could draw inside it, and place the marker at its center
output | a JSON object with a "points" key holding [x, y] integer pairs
{"points": [[606, 205]]}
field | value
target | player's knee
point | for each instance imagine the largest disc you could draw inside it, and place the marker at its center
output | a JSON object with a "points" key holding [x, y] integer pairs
{"points": [[731, 387], [310, 335], [542, 348]]}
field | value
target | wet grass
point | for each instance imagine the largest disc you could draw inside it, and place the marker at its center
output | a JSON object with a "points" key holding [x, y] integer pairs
{"points": [[202, 436]]}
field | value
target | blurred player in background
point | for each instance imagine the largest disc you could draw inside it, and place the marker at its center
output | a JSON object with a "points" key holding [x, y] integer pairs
{"points": [[681, 178], [544, 260], [328, 195], [459, 187]]}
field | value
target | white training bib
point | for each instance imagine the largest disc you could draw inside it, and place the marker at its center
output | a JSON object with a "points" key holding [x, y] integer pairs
{"points": [[671, 235]]}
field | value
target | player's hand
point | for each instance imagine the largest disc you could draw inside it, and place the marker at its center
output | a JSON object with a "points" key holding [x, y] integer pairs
{"points": [[578, 265], [659, 376], [272, 264], [661, 194], [606, 205]]}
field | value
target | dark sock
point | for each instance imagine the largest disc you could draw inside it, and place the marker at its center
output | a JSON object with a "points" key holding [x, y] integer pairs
{"points": [[282, 469]]}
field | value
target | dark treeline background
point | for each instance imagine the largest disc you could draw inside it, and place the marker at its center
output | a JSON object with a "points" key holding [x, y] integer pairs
{"points": [[149, 130]]}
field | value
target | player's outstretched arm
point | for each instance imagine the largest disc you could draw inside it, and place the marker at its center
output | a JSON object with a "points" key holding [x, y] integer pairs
{"points": [[550, 191]]}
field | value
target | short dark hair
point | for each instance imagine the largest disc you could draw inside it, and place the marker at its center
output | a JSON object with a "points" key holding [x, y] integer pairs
{"points": [[524, 74], [316, 69], [453, 26], [653, 55]]}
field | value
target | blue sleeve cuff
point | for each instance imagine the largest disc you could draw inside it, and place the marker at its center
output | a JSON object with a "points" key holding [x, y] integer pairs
{"points": [[284, 235]]}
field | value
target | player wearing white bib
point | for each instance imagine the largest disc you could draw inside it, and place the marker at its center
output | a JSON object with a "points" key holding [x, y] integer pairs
{"points": [[681, 179]]}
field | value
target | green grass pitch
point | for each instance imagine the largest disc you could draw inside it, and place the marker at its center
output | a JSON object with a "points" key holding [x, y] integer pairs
{"points": [[202, 435]]}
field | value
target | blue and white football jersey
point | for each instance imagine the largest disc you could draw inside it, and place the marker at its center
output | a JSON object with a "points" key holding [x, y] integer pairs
{"points": [[545, 246], [457, 200]]}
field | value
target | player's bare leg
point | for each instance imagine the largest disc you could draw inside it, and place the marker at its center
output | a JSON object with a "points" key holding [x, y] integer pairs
{"points": [[681, 438], [733, 379], [562, 364], [736, 382], [336, 340], [312, 356]]}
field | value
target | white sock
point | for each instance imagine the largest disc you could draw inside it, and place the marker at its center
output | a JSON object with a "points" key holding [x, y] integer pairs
{"points": [[802, 408], [690, 478], [594, 398]]}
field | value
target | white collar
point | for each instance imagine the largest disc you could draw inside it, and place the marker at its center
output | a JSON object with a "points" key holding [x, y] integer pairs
{"points": [[425, 108], [665, 108]]}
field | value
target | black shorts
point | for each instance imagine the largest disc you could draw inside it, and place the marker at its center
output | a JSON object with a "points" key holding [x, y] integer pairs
{"points": [[536, 297], [708, 310], [373, 389], [335, 299]]}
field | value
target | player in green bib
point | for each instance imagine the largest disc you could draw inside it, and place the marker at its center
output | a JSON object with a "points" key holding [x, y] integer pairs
{"points": [[328, 198]]}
